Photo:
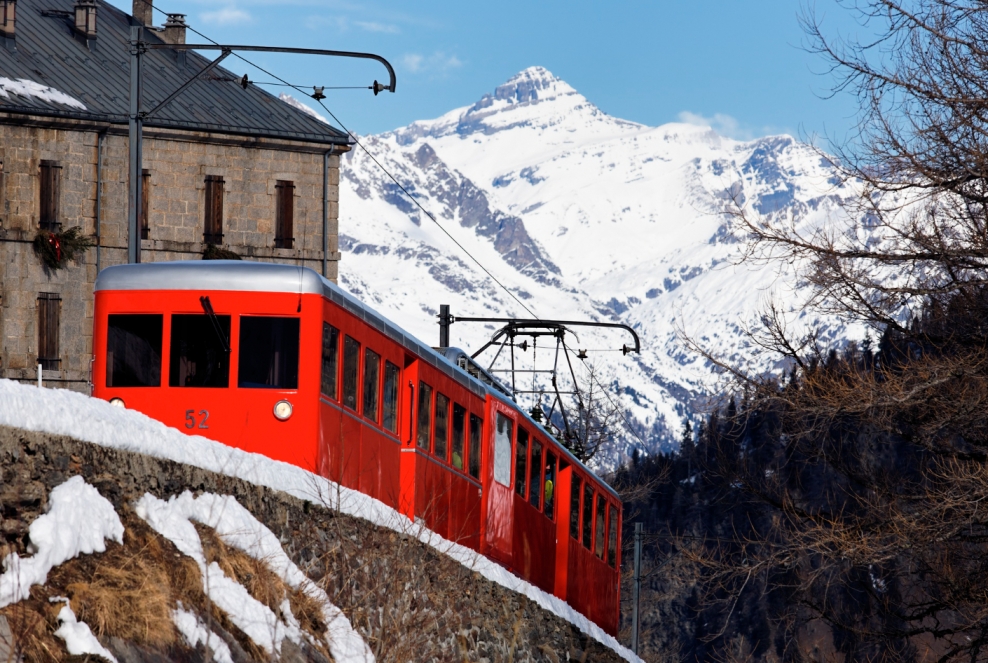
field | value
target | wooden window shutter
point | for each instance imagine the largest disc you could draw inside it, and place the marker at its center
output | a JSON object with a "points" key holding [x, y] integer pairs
{"points": [[48, 330], [50, 194], [214, 210], [284, 214], [145, 203]]}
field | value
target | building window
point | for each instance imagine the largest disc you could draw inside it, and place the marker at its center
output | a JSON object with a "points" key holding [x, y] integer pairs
{"points": [[145, 203], [214, 210], [50, 176], [284, 214], [49, 304]]}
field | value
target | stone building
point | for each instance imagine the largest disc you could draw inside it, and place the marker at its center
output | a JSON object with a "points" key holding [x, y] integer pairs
{"points": [[225, 165]]}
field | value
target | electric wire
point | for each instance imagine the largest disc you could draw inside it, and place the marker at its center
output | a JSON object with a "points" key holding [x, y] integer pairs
{"points": [[624, 415], [357, 142], [373, 158]]}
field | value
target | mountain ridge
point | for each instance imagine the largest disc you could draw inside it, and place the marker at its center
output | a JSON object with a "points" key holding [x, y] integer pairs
{"points": [[581, 215]]}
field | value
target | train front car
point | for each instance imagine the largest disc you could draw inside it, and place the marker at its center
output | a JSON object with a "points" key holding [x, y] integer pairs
{"points": [[274, 359], [212, 348]]}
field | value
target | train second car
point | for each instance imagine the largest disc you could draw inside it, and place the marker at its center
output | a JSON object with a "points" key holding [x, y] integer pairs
{"points": [[276, 360]]}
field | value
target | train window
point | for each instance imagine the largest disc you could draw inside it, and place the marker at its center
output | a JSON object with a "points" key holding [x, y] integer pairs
{"points": [[574, 507], [534, 483], [598, 545], [473, 455], [425, 411], [133, 350], [521, 458], [587, 515], [268, 353], [198, 358], [372, 383], [330, 359], [351, 361], [502, 450], [459, 429], [550, 485], [442, 426], [390, 397], [612, 537]]}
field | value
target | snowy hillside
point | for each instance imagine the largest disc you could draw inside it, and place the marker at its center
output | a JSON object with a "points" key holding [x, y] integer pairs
{"points": [[78, 519], [581, 215]]}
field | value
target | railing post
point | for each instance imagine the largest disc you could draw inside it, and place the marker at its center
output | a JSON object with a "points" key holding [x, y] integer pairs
{"points": [[636, 587]]}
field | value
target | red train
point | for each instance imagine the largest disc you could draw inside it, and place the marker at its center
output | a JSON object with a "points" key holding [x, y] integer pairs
{"points": [[276, 360]]}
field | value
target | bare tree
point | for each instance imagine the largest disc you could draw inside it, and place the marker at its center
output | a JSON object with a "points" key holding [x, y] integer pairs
{"points": [[876, 470]]}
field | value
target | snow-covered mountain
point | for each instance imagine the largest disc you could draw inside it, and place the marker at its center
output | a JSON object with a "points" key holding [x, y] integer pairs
{"points": [[581, 216]]}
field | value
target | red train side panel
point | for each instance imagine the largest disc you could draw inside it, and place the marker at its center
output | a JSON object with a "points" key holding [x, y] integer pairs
{"points": [[370, 408]]}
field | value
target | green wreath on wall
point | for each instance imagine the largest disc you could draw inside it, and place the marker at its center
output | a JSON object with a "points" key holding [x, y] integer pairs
{"points": [[57, 248]]}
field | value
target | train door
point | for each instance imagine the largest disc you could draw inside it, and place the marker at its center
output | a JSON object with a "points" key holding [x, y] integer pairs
{"points": [[499, 505], [563, 519], [406, 433]]}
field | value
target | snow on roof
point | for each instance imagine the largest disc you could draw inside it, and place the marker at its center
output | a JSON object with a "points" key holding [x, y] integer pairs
{"points": [[28, 88], [62, 412]]}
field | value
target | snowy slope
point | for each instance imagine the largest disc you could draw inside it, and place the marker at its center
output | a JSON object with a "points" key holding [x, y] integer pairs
{"points": [[63, 412], [581, 215]]}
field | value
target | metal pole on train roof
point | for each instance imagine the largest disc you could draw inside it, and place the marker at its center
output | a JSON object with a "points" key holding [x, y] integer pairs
{"points": [[445, 319], [636, 587]]}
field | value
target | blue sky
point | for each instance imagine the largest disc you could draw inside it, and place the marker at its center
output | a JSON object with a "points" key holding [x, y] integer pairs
{"points": [[737, 64]]}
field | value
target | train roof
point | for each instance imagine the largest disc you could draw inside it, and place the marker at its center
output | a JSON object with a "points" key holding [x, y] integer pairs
{"points": [[245, 276]]}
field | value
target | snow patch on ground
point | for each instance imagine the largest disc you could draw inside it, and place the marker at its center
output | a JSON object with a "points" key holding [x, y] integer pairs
{"points": [[194, 631], [62, 412], [78, 520], [27, 88], [238, 528], [79, 640]]}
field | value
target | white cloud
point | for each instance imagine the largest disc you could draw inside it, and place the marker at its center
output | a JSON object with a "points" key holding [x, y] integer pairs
{"points": [[438, 62], [226, 16], [373, 26], [722, 123]]}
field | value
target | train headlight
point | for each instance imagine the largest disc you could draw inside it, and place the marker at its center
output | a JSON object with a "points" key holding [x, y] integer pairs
{"points": [[117, 402], [282, 410]]}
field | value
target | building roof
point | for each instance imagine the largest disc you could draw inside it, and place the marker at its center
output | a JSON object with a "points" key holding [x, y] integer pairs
{"points": [[53, 72]]}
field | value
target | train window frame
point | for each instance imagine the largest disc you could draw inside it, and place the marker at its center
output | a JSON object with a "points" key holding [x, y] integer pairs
{"points": [[457, 446], [423, 436], [549, 484], [474, 446], [371, 401], [155, 346], [503, 439], [612, 529], [330, 341], [350, 381], [285, 353], [535, 486], [440, 426], [588, 521], [600, 526], [389, 416], [522, 444], [207, 331], [575, 502]]}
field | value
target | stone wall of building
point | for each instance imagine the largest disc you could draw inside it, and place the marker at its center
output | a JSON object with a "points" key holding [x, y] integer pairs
{"points": [[178, 163]]}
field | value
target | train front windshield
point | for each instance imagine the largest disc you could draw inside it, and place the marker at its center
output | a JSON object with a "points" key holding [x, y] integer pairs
{"points": [[199, 354]]}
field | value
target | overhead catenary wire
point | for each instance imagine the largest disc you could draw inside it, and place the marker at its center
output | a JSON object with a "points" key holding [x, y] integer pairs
{"points": [[357, 142], [301, 90]]}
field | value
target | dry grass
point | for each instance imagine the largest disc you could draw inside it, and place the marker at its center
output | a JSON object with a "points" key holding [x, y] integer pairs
{"points": [[265, 586]]}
